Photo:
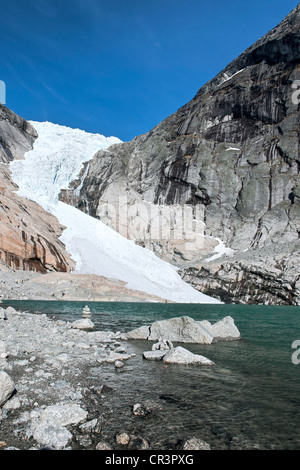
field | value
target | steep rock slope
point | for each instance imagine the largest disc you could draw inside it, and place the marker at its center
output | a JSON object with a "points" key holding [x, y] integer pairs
{"points": [[29, 236], [232, 156]]}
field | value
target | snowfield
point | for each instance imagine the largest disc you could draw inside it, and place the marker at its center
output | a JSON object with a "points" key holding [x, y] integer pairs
{"points": [[55, 161]]}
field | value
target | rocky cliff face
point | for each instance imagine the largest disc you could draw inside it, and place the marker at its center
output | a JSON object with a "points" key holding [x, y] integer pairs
{"points": [[231, 157], [29, 236]]}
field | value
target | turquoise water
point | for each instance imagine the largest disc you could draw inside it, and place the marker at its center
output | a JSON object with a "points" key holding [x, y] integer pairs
{"points": [[249, 399]]}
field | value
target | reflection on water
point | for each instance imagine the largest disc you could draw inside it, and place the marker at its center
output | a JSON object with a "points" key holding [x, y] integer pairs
{"points": [[249, 399]]}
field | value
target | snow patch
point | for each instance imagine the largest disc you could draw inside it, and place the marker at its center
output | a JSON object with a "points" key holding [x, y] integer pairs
{"points": [[220, 250]]}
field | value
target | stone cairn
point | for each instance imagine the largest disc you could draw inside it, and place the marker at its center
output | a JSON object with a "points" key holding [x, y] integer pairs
{"points": [[86, 313]]}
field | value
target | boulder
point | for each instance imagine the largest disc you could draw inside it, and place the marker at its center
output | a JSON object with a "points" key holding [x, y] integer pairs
{"points": [[7, 387], [181, 355], [142, 332], [83, 324], [180, 330], [223, 330], [64, 414], [50, 434], [186, 330]]}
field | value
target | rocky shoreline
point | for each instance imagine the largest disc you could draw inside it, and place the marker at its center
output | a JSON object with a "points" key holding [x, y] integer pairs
{"points": [[48, 398]]}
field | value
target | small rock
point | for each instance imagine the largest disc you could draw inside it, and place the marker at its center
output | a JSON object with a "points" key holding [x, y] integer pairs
{"points": [[195, 444], [122, 439], [84, 441], [89, 426], [103, 446], [12, 404], [119, 364], [162, 345], [140, 410], [138, 443], [7, 387]]}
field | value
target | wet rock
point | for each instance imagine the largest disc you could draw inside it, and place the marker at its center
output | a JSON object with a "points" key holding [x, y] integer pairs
{"points": [[138, 443], [119, 365], [181, 355], [141, 410], [103, 446], [122, 439], [195, 444], [154, 355], [89, 426]]}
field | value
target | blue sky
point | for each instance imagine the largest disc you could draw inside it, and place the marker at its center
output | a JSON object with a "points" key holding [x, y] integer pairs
{"points": [[119, 67]]}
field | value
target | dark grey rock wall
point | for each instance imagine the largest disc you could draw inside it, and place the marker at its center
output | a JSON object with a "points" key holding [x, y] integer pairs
{"points": [[234, 149]]}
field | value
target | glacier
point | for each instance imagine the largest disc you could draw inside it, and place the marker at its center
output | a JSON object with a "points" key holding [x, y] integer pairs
{"points": [[55, 160]]}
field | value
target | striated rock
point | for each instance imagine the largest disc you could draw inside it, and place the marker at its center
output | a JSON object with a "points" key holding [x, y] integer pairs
{"points": [[17, 135], [7, 387], [231, 157], [265, 276], [29, 235]]}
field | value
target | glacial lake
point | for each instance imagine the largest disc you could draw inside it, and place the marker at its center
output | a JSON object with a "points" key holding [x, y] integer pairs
{"points": [[250, 398]]}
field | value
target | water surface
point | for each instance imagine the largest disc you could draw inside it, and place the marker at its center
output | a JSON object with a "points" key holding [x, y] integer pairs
{"points": [[249, 399]]}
